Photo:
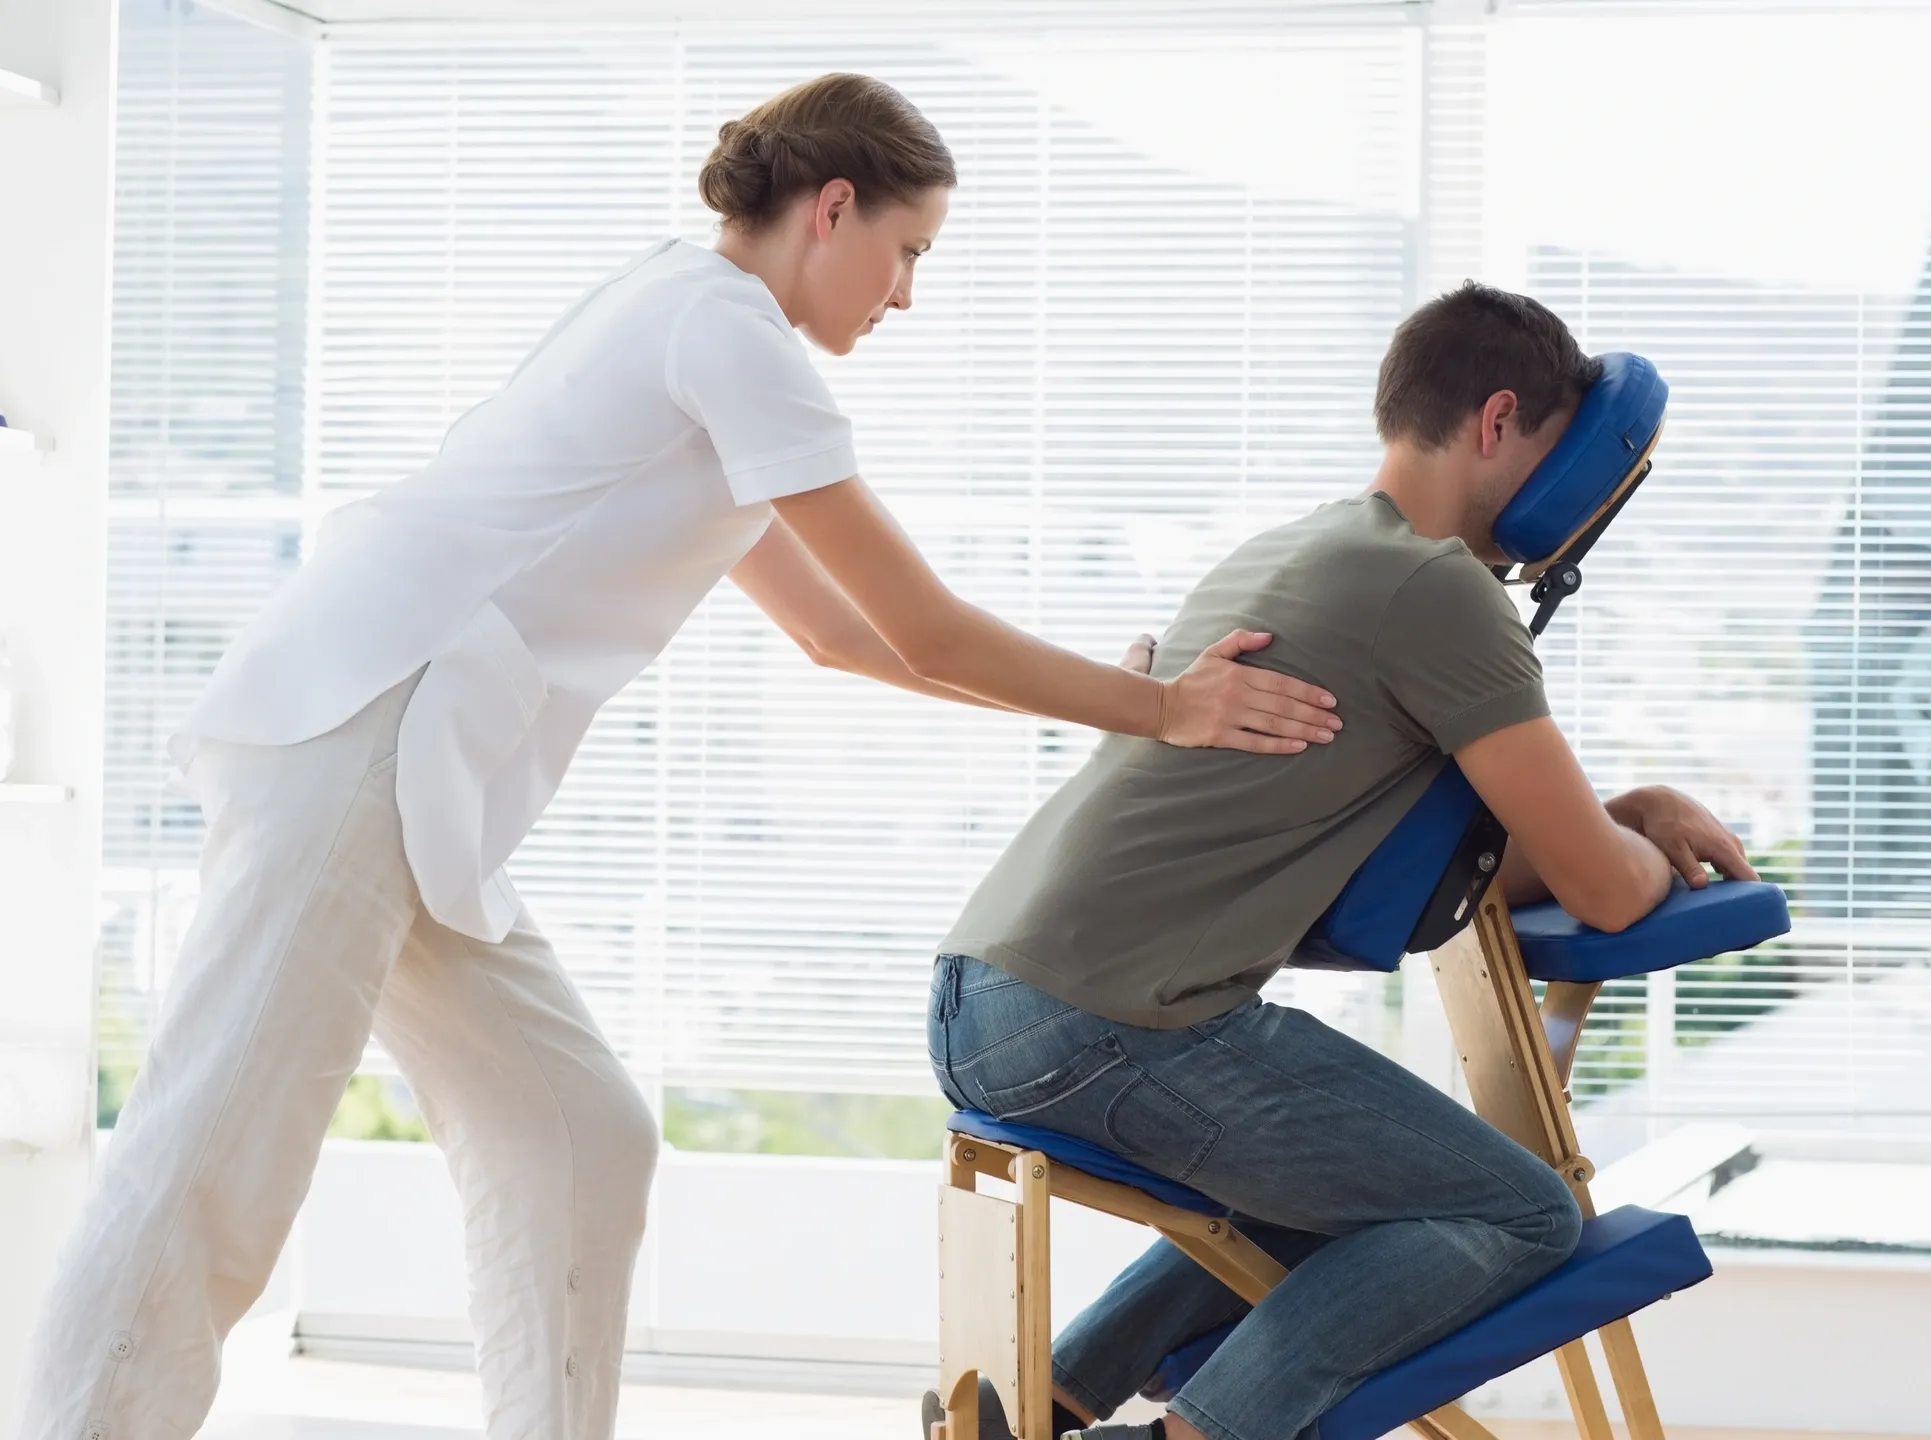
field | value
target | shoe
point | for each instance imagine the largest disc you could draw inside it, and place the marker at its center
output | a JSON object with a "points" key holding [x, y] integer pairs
{"points": [[992, 1414]]}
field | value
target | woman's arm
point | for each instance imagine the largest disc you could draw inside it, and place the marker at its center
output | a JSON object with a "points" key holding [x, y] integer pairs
{"points": [[941, 639], [783, 580]]}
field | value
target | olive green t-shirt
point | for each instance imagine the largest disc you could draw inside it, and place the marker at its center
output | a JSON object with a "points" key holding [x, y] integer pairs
{"points": [[1161, 886]]}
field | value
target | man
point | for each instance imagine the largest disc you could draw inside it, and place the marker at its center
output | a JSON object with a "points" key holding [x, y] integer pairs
{"points": [[1103, 980]]}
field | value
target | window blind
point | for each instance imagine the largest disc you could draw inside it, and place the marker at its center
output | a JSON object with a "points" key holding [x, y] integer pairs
{"points": [[1754, 627], [1150, 328], [1115, 366], [205, 478]]}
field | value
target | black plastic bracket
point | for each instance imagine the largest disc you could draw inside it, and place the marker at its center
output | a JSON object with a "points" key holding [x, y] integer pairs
{"points": [[1556, 584], [1563, 575], [1476, 862]]}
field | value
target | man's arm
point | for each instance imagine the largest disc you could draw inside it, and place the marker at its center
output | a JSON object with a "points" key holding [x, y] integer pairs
{"points": [[1608, 865]]}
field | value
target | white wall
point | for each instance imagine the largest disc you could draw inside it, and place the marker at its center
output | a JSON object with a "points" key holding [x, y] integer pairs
{"points": [[821, 1273], [56, 198]]}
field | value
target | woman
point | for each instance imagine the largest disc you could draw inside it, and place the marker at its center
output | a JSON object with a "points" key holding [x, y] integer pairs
{"points": [[380, 739]]}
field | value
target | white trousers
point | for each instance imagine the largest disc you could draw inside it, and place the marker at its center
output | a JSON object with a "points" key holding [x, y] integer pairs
{"points": [[308, 936]]}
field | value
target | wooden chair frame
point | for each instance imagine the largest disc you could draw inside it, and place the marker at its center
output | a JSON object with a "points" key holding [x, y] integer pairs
{"points": [[995, 1304]]}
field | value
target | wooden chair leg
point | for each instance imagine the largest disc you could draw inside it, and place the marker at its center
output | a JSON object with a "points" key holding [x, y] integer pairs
{"points": [[1632, 1384], [1032, 1173], [1585, 1396], [1231, 1258], [961, 1410], [1451, 1422]]}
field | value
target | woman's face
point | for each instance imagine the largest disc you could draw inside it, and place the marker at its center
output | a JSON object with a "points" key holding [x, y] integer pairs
{"points": [[860, 265]]}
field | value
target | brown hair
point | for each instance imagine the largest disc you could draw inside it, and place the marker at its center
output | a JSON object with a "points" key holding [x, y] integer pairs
{"points": [[837, 127], [1460, 348]]}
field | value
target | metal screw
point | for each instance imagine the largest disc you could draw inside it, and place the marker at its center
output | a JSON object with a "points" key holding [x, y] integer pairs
{"points": [[1213, 1227], [1039, 1172], [968, 1153], [1485, 862]]}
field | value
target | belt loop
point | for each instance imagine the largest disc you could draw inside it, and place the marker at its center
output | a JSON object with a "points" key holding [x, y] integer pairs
{"points": [[949, 995]]}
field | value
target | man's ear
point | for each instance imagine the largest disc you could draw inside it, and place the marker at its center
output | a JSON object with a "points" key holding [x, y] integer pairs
{"points": [[1497, 415]]}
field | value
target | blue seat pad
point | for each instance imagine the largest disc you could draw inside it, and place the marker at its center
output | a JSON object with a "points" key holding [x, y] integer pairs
{"points": [[1724, 916], [1103, 1164], [1626, 1260]]}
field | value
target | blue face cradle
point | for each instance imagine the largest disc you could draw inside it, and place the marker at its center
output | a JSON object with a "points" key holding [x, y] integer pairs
{"points": [[1610, 438], [1582, 484]]}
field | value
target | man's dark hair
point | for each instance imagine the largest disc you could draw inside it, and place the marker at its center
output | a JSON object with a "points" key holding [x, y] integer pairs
{"points": [[1460, 348]]}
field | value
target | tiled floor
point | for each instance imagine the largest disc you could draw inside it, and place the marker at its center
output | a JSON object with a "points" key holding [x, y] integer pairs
{"points": [[306, 1399], [303, 1399]]}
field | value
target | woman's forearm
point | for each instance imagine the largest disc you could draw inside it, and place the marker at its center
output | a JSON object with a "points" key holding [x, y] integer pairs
{"points": [[783, 581], [977, 656], [867, 654], [943, 640]]}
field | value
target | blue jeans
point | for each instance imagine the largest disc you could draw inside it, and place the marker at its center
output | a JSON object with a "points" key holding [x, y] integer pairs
{"points": [[1400, 1215]]}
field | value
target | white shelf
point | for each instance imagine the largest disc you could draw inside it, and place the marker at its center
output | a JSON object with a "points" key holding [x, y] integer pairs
{"points": [[23, 442], [17, 794], [17, 91]]}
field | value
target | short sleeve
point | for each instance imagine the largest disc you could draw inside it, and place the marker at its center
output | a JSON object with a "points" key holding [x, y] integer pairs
{"points": [[1455, 655], [741, 373]]}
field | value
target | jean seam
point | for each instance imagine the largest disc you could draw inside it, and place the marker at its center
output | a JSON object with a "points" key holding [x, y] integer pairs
{"points": [[1059, 1095], [1202, 1421], [1211, 1129], [1007, 1039], [1393, 1120], [1379, 1361], [1068, 1382], [1002, 983]]}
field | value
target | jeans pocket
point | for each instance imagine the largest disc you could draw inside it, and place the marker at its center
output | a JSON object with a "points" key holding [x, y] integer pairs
{"points": [[1149, 1123], [1013, 1102]]}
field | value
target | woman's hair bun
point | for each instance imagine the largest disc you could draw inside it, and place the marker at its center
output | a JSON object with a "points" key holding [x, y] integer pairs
{"points": [[837, 127]]}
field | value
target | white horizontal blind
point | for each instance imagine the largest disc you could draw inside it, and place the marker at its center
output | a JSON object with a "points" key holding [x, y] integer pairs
{"points": [[1150, 328], [205, 481], [1754, 629], [1118, 362]]}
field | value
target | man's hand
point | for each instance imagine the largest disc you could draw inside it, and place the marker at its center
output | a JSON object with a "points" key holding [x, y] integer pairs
{"points": [[1139, 656], [1686, 833]]}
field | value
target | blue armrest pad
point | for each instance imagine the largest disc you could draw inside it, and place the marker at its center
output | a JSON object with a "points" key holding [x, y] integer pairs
{"points": [[1613, 426], [1724, 916], [1103, 1164], [1625, 1260]]}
